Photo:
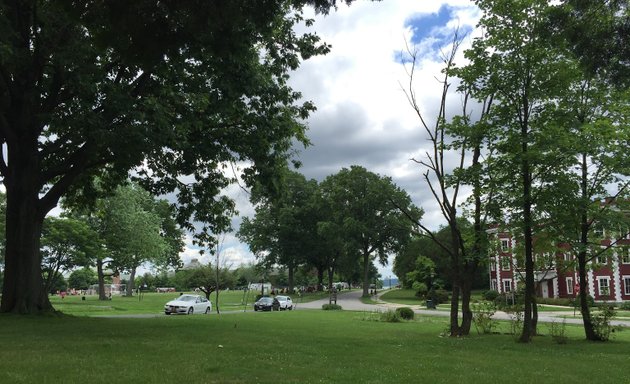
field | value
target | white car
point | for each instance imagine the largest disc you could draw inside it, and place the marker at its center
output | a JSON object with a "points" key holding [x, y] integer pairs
{"points": [[285, 302], [188, 304]]}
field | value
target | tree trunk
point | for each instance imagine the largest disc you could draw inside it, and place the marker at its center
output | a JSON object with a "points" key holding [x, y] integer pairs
{"points": [[454, 316], [366, 270], [130, 283], [23, 289], [331, 273], [589, 329], [101, 279], [320, 279], [527, 333], [467, 314], [291, 277]]}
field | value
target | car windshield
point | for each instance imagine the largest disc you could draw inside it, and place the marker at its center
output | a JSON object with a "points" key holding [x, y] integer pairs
{"points": [[265, 300], [281, 298], [187, 298]]}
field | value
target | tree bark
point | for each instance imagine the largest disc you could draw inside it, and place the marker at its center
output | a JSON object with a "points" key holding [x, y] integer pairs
{"points": [[467, 314], [130, 283], [23, 290], [101, 279], [366, 270]]}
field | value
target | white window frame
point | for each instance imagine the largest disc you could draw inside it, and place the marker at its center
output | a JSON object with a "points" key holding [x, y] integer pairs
{"points": [[505, 245], [626, 284], [567, 256], [625, 255], [601, 279], [493, 264], [493, 285], [570, 285], [508, 286], [506, 266]]}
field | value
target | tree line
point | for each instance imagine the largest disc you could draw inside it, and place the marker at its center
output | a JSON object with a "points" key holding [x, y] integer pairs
{"points": [[341, 226]]}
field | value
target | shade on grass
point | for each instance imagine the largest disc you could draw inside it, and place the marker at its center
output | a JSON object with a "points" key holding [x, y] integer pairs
{"points": [[303, 346]]}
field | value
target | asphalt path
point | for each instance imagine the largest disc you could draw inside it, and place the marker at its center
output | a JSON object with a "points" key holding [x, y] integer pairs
{"points": [[351, 300]]}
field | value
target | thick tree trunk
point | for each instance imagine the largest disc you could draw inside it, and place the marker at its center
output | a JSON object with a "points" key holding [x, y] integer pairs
{"points": [[534, 316], [130, 283], [320, 279], [467, 314], [291, 277], [23, 290], [366, 270]]}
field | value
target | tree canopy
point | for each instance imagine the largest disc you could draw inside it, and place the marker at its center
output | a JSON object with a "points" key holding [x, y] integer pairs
{"points": [[173, 90]]}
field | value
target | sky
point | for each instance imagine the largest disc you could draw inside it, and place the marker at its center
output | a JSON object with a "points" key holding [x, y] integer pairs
{"points": [[363, 116]]}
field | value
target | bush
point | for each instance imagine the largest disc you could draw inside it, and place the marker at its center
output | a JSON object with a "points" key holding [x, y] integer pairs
{"points": [[482, 316], [439, 296], [420, 289], [558, 332], [625, 306], [405, 313], [601, 322], [391, 316], [555, 301], [490, 295], [331, 307]]}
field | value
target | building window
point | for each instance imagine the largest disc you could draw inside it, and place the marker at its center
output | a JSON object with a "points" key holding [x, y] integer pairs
{"points": [[493, 264], [494, 285], [567, 257], [505, 245], [625, 255], [626, 285], [604, 286], [507, 286], [569, 285], [601, 259], [505, 263], [599, 232]]}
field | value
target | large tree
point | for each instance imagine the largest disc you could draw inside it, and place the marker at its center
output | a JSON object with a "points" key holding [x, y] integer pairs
{"points": [[176, 90], [525, 74], [284, 229], [365, 211]]}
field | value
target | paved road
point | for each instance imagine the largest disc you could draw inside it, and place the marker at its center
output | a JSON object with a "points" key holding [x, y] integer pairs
{"points": [[352, 301]]}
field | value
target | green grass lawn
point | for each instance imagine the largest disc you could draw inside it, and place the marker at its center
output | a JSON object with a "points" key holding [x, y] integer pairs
{"points": [[303, 346], [153, 303]]}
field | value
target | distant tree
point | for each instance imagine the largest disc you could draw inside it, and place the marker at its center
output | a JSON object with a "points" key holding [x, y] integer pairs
{"points": [[82, 278], [284, 229], [66, 244], [365, 210], [205, 279], [133, 231]]}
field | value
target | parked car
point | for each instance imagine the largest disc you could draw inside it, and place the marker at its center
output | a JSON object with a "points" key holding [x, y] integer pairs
{"points": [[285, 302], [267, 304], [188, 304]]}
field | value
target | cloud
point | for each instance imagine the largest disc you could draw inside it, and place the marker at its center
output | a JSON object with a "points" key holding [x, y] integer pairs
{"points": [[363, 116]]}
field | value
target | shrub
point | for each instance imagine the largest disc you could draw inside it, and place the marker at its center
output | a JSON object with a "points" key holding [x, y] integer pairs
{"points": [[420, 289], [482, 316], [601, 322], [405, 313], [490, 295], [557, 331], [331, 307], [625, 306], [390, 316], [440, 296], [555, 301]]}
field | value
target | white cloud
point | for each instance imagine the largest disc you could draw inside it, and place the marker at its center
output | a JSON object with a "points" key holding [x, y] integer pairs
{"points": [[363, 116]]}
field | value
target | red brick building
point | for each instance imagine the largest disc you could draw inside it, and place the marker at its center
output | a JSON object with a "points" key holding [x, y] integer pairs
{"points": [[608, 278]]}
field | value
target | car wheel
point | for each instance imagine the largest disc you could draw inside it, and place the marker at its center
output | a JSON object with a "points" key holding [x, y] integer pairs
{"points": [[191, 310], [290, 308], [167, 313], [207, 310]]}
